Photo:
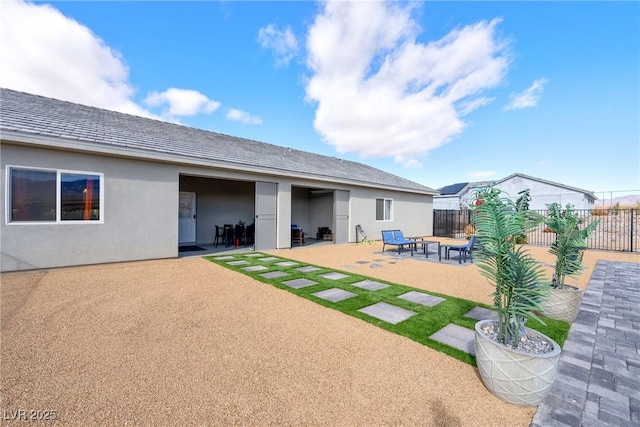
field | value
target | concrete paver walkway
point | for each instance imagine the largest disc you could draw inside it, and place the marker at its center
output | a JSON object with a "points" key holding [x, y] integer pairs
{"points": [[598, 381]]}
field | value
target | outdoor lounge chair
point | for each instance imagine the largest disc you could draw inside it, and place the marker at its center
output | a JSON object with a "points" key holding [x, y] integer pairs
{"points": [[463, 250], [396, 237]]}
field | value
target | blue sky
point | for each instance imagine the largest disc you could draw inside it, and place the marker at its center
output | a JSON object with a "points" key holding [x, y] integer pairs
{"points": [[437, 92]]}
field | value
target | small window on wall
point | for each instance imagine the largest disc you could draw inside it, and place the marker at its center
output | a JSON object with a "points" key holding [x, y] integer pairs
{"points": [[37, 195], [384, 209]]}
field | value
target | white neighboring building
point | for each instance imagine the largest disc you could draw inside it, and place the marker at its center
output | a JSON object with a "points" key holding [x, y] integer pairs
{"points": [[542, 193]]}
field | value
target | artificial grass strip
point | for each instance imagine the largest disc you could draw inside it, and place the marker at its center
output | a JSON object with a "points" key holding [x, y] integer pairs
{"points": [[417, 328]]}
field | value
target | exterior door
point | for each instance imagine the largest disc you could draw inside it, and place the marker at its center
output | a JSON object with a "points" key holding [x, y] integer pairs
{"points": [[265, 233], [187, 217], [341, 216]]}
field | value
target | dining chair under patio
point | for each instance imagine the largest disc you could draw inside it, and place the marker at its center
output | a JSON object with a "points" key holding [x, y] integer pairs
{"points": [[219, 237]]}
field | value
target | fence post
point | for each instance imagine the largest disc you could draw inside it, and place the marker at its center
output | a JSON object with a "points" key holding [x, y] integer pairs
{"points": [[631, 234]]}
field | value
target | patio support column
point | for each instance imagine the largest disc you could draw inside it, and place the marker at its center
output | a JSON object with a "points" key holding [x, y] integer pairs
{"points": [[283, 235]]}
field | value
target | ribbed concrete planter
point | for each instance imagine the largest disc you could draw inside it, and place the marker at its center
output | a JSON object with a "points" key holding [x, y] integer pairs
{"points": [[563, 304], [519, 378]]}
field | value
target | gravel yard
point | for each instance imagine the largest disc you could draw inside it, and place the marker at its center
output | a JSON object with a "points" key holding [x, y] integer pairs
{"points": [[184, 341]]}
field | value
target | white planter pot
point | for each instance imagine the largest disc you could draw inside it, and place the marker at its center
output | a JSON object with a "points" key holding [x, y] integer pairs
{"points": [[519, 378], [563, 304]]}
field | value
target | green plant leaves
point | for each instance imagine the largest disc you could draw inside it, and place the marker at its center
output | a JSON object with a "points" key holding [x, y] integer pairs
{"points": [[570, 241], [518, 278]]}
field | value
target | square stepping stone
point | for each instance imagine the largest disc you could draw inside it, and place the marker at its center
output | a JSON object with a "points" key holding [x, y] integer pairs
{"points": [[388, 312], [334, 295], [457, 337], [370, 285], [286, 263], [252, 255], [481, 313], [334, 276], [421, 298], [308, 269], [299, 283], [255, 268], [268, 259], [222, 258], [241, 262], [274, 274]]}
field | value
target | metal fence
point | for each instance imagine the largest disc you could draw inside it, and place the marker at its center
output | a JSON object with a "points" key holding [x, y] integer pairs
{"points": [[618, 230], [451, 222]]}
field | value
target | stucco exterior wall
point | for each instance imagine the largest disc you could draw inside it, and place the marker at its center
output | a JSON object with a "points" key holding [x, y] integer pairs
{"points": [[543, 193], [321, 207], [140, 209], [139, 214], [412, 213], [446, 202]]}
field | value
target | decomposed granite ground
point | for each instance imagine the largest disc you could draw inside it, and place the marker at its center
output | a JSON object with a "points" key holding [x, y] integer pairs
{"points": [[188, 342]]}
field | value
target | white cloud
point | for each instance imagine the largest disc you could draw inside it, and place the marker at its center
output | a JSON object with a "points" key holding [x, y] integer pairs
{"points": [[243, 116], [44, 52], [182, 102], [528, 97], [381, 93], [283, 43], [481, 175]]}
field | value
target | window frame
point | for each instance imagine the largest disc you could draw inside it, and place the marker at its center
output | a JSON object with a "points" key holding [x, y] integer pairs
{"points": [[384, 202], [59, 173]]}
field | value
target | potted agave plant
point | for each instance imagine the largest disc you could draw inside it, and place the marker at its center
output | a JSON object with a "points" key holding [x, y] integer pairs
{"points": [[517, 364], [563, 302]]}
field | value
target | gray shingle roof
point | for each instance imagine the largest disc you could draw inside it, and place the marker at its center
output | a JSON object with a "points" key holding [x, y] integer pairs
{"points": [[23, 113]]}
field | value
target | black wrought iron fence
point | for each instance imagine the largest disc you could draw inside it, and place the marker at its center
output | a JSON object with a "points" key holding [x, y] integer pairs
{"points": [[618, 230], [451, 223]]}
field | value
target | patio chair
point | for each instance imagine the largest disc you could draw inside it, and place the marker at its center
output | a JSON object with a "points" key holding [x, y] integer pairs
{"points": [[239, 235], [396, 238], [297, 235], [219, 237], [228, 235], [463, 250], [251, 231]]}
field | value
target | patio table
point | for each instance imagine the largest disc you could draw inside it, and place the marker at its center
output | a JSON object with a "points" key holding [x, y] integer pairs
{"points": [[414, 246], [425, 247]]}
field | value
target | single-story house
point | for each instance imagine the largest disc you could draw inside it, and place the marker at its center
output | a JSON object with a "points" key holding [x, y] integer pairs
{"points": [[83, 185], [542, 192]]}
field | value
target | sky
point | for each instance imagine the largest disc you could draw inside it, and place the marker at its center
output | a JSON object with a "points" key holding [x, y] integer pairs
{"points": [[436, 92]]}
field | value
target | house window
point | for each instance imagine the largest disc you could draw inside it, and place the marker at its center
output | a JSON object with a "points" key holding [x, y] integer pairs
{"points": [[37, 195], [384, 209]]}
